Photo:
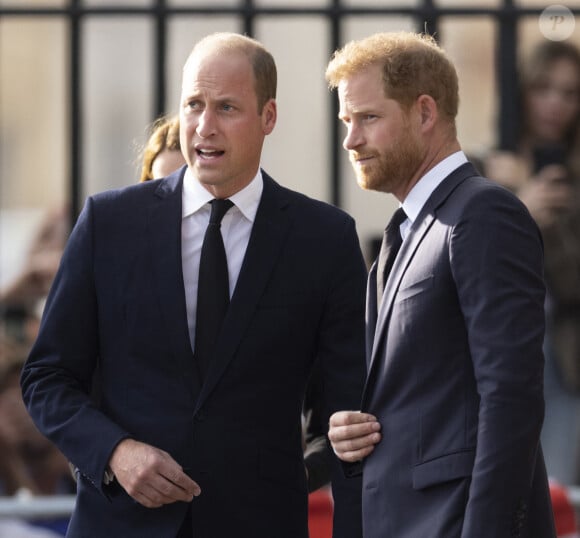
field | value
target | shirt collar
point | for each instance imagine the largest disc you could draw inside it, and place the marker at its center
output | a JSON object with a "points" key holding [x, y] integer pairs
{"points": [[421, 191], [195, 196]]}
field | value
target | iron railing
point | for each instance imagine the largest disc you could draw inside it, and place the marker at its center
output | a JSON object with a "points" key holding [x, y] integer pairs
{"points": [[427, 15]]}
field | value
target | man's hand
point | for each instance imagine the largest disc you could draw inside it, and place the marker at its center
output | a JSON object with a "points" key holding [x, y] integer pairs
{"points": [[353, 434], [150, 475]]}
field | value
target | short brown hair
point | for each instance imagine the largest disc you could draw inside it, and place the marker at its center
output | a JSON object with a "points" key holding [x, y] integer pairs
{"points": [[263, 64], [413, 65], [164, 135]]}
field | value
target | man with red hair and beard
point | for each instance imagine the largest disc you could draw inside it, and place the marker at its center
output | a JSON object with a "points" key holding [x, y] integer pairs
{"points": [[448, 432]]}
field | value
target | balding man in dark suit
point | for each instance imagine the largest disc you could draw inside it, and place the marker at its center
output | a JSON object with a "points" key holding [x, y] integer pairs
{"points": [[196, 435]]}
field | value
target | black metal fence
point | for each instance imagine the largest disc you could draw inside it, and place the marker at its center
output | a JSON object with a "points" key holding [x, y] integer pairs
{"points": [[426, 13]]}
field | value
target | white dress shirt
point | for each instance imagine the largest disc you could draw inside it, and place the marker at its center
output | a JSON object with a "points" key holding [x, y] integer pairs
{"points": [[423, 189], [236, 228]]}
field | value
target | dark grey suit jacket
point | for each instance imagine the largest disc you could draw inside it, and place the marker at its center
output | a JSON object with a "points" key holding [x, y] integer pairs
{"points": [[117, 307], [455, 373]]}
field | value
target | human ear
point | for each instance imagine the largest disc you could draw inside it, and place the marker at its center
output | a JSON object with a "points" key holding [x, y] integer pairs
{"points": [[428, 111], [269, 115]]}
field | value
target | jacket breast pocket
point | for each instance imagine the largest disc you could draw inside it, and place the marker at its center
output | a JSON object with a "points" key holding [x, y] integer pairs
{"points": [[443, 469], [414, 287]]}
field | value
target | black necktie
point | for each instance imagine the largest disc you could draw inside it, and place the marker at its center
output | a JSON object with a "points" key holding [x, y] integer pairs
{"points": [[213, 289], [390, 246]]}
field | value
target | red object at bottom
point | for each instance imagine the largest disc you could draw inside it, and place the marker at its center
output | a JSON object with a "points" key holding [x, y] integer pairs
{"points": [[320, 509], [564, 515]]}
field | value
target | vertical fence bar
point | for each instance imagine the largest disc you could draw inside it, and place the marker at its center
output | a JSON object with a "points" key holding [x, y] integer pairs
{"points": [[429, 23], [160, 59], [335, 160], [248, 14], [75, 111], [506, 68]]}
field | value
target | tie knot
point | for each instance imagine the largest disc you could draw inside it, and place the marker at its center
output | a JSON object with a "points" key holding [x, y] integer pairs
{"points": [[394, 224], [398, 217], [219, 207]]}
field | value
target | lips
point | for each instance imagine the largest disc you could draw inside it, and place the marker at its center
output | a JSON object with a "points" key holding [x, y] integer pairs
{"points": [[360, 159], [208, 154]]}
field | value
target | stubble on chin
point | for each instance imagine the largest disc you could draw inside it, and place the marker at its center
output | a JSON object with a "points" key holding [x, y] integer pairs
{"points": [[366, 185], [362, 182], [369, 182]]}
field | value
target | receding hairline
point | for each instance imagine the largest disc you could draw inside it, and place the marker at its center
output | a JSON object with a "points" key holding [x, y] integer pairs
{"points": [[260, 59], [229, 42]]}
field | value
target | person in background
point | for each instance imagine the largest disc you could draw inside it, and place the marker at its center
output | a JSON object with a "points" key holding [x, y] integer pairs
{"points": [[448, 436], [22, 297], [194, 434], [162, 153], [544, 172], [30, 465]]}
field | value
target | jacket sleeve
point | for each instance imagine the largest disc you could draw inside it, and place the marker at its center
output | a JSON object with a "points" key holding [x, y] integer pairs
{"points": [[57, 379], [497, 263], [342, 362]]}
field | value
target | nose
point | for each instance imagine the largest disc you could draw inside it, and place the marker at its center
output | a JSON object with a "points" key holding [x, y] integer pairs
{"points": [[206, 124], [353, 138]]}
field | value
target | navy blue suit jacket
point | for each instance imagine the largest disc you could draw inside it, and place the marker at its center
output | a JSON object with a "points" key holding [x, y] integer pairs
{"points": [[455, 373], [116, 312]]}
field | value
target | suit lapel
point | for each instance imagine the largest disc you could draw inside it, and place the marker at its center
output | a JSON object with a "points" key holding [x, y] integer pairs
{"points": [[416, 234], [418, 230], [266, 240], [164, 232], [371, 312]]}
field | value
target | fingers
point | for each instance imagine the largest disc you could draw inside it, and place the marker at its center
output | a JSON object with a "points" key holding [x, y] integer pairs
{"points": [[158, 492], [180, 484], [356, 448], [344, 418], [150, 475], [353, 435]]}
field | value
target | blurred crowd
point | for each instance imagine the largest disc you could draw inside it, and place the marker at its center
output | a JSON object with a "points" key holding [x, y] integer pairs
{"points": [[544, 171], [29, 463]]}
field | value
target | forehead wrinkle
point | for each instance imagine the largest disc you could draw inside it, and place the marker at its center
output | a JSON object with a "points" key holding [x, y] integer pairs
{"points": [[349, 106], [205, 80]]}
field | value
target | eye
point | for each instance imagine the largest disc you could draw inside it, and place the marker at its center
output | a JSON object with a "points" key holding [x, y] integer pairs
{"points": [[193, 105], [226, 107]]}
